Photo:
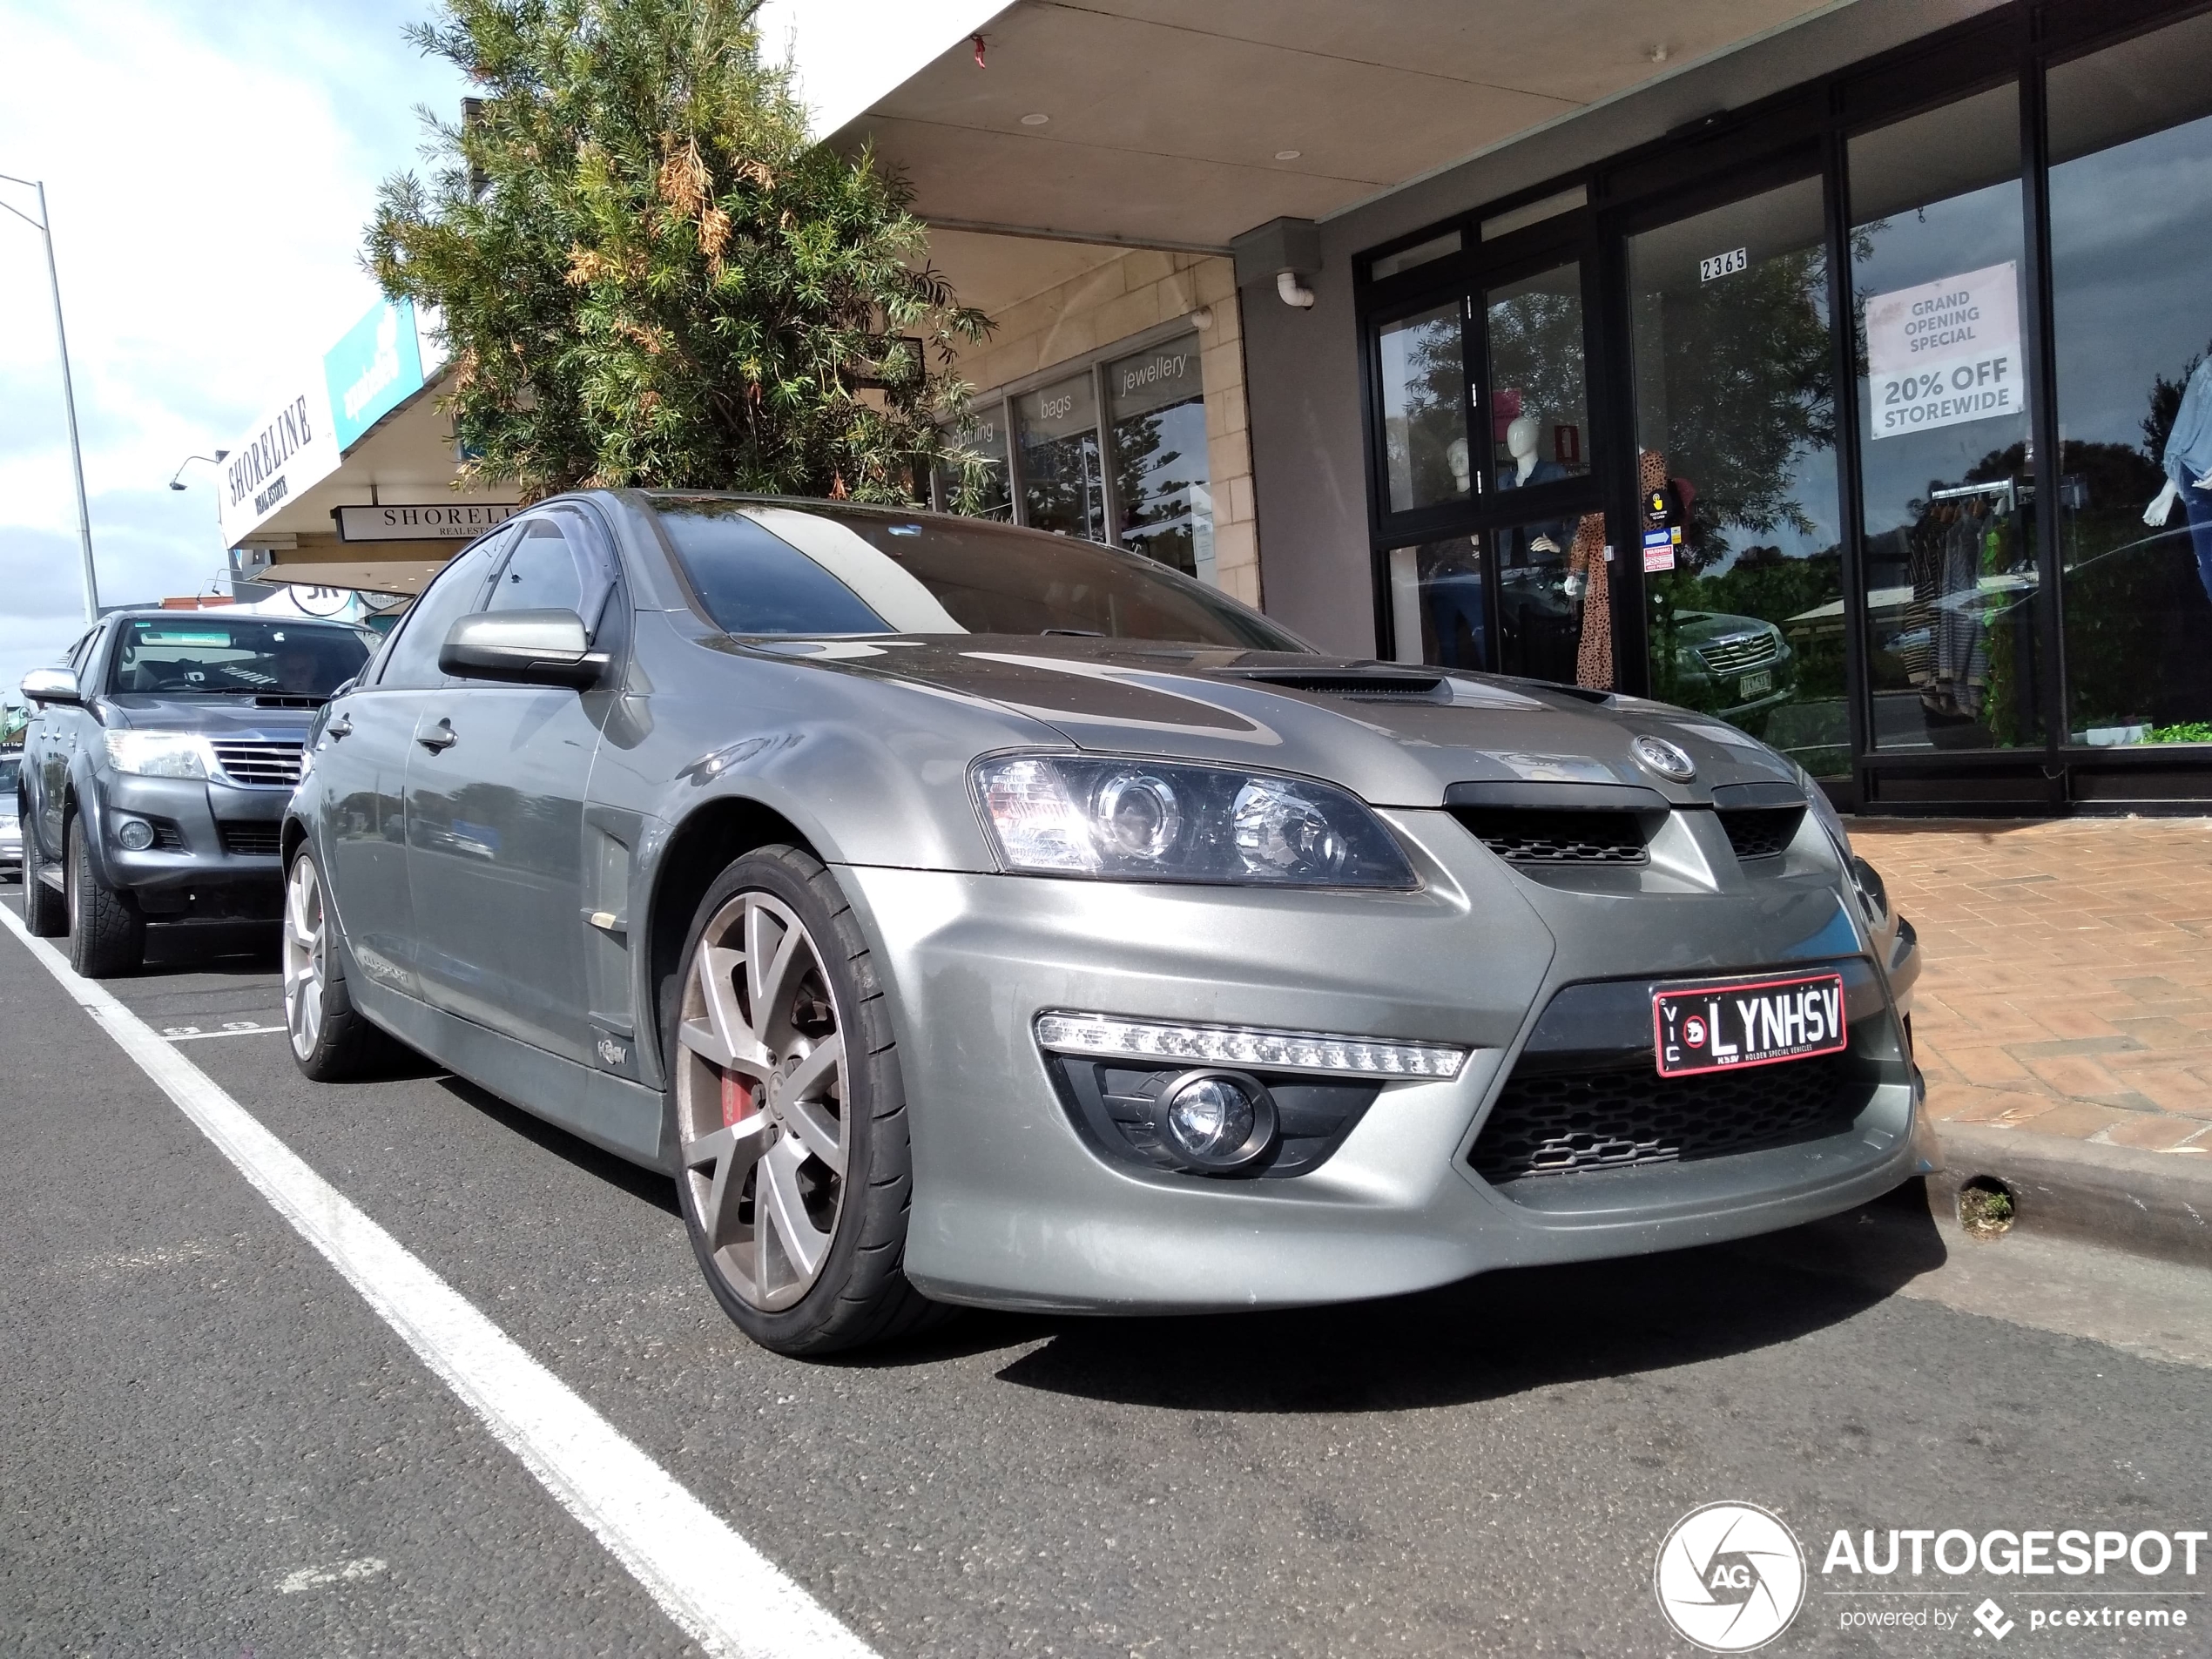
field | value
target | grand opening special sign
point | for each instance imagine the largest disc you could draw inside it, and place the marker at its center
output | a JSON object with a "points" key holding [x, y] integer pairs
{"points": [[1945, 352]]}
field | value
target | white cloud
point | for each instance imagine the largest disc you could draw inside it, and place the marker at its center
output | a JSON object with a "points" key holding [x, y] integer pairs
{"points": [[208, 167]]}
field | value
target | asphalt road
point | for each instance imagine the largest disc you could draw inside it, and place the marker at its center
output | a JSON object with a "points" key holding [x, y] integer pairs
{"points": [[210, 1444]]}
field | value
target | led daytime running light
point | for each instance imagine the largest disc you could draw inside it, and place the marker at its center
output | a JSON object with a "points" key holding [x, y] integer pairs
{"points": [[1105, 1037]]}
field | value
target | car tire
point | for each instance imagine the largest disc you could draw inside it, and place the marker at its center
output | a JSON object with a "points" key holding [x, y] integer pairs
{"points": [[778, 1074], [333, 1042], [107, 931], [45, 911]]}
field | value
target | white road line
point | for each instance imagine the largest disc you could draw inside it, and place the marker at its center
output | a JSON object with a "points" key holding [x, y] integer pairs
{"points": [[726, 1594], [193, 1033]]}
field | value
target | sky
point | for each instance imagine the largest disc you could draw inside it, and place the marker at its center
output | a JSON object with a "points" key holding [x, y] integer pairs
{"points": [[208, 170]]}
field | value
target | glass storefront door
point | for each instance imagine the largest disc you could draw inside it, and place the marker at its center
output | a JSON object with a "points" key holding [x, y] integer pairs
{"points": [[1739, 534], [2131, 290], [1953, 596], [1156, 423]]}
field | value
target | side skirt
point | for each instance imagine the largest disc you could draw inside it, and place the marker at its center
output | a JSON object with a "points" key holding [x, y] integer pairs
{"points": [[612, 1113]]}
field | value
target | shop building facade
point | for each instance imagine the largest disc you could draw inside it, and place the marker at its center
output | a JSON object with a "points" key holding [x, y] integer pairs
{"points": [[1865, 407]]}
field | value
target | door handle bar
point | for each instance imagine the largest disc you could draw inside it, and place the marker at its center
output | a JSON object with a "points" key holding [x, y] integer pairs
{"points": [[439, 739]]}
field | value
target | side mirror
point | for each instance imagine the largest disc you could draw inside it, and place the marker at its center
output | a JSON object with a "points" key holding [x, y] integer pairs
{"points": [[52, 685], [526, 647]]}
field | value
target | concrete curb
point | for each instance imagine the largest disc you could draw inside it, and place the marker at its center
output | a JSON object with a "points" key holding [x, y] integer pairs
{"points": [[2154, 1203]]}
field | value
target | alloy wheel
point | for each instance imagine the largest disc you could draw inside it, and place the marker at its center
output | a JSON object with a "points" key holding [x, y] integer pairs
{"points": [[305, 947], [760, 1100]]}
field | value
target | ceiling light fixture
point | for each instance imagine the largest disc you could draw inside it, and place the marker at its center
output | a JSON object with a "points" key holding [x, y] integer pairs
{"points": [[1288, 155], [1035, 118]]}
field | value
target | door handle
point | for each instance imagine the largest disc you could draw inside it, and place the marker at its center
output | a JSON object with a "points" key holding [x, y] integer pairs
{"points": [[340, 727], [439, 739]]}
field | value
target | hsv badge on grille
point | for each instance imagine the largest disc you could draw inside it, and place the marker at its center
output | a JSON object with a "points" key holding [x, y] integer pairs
{"points": [[1656, 754]]}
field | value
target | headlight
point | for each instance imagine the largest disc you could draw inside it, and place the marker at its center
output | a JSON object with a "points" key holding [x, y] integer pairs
{"points": [[1130, 820], [161, 754]]}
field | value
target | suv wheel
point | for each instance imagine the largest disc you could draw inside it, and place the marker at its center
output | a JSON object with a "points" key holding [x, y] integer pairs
{"points": [[790, 1121], [332, 1040], [107, 931]]}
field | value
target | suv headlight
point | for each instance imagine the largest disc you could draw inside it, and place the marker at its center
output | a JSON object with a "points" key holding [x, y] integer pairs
{"points": [[1134, 821], [161, 754]]}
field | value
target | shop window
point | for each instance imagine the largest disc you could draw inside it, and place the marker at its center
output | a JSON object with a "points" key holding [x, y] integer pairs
{"points": [[2131, 263], [1738, 527], [1157, 424], [1951, 569], [1539, 406], [1423, 367], [1063, 488], [1528, 599], [987, 440]]}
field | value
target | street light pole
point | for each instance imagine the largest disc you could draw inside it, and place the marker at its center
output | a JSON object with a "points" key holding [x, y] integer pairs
{"points": [[69, 394]]}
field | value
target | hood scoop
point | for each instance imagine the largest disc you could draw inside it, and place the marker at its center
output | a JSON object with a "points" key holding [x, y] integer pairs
{"points": [[288, 700], [1361, 686]]}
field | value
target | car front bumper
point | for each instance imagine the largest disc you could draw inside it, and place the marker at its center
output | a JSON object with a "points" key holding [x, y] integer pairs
{"points": [[1014, 1208], [207, 871], [11, 844]]}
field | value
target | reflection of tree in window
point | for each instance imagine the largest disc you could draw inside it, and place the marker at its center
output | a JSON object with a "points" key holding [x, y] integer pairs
{"points": [[1160, 482], [1750, 389], [1424, 390]]}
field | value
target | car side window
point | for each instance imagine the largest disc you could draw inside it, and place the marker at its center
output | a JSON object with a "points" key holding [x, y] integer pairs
{"points": [[558, 560], [411, 660]]}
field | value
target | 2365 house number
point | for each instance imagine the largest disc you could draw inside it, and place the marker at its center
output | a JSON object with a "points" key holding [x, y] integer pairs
{"points": [[1721, 265]]}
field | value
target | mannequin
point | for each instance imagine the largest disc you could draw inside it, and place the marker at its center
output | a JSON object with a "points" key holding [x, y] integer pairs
{"points": [[1524, 469], [2188, 462], [1455, 457]]}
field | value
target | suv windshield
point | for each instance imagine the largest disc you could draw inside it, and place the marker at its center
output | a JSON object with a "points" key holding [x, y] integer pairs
{"points": [[234, 657], [762, 568]]}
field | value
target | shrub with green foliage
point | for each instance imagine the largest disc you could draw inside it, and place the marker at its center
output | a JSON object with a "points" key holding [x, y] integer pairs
{"points": [[649, 275]]}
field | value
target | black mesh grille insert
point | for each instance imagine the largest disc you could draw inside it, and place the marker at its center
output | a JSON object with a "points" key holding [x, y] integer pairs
{"points": [[1521, 835], [250, 839], [1422, 686], [1564, 1123], [1761, 832]]}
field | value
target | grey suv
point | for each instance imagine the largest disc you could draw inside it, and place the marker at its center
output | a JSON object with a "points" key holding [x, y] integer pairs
{"points": [[156, 769]]}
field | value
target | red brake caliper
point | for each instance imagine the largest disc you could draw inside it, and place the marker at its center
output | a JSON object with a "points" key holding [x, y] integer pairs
{"points": [[738, 1100]]}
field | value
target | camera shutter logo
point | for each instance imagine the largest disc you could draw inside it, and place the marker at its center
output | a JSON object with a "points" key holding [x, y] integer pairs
{"points": [[1729, 1577]]}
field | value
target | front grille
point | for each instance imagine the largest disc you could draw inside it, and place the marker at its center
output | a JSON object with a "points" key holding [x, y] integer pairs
{"points": [[249, 839], [1536, 835], [1740, 653], [260, 763], [1567, 1122], [1761, 832]]}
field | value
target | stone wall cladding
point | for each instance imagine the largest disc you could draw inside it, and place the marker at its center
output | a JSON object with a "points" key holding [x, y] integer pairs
{"points": [[1137, 290]]}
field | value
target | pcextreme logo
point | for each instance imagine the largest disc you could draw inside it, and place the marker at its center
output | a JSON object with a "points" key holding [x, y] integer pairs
{"points": [[1729, 1577]]}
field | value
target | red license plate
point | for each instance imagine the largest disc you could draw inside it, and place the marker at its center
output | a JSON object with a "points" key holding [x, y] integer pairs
{"points": [[1759, 1022]]}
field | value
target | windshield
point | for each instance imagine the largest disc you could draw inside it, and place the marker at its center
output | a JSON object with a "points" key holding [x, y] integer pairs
{"points": [[236, 657], [763, 569]]}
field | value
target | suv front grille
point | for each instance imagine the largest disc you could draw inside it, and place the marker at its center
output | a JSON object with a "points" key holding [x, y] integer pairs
{"points": [[1761, 832], [260, 763], [1567, 1122], [1739, 653], [247, 840], [1536, 835]]}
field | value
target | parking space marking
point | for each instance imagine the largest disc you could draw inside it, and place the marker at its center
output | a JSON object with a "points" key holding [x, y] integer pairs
{"points": [[724, 1593], [234, 1029]]}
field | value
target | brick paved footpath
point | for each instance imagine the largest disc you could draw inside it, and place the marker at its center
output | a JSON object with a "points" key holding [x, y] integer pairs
{"points": [[2067, 980]]}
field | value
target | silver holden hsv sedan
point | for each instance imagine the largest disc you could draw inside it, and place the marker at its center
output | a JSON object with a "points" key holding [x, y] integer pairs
{"points": [[965, 914]]}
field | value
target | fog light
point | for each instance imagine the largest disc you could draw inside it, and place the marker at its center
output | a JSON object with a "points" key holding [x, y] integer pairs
{"points": [[1217, 1120], [133, 835]]}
